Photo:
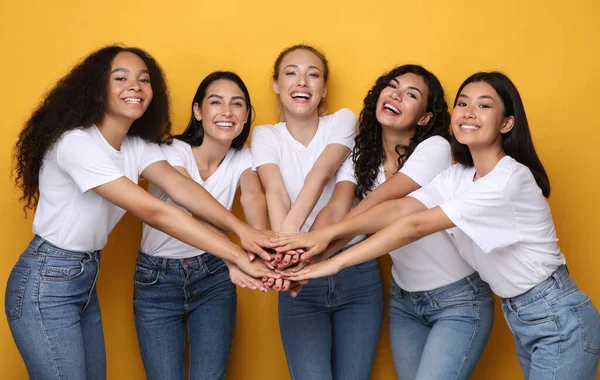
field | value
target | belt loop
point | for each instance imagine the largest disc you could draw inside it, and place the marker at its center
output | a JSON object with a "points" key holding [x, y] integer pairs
{"points": [[508, 303], [400, 292], [163, 265], [475, 289], [558, 280], [37, 243]]}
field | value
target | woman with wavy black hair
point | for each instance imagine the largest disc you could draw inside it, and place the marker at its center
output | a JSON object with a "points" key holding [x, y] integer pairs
{"points": [[441, 312], [493, 201], [78, 161]]}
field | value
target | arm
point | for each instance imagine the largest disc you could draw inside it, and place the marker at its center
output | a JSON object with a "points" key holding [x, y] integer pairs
{"points": [[368, 222], [276, 196], [253, 200], [173, 221], [199, 202], [324, 168], [400, 233]]}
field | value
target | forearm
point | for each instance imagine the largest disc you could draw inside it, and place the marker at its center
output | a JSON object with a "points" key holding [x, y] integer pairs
{"points": [[255, 210], [278, 206], [306, 201]]}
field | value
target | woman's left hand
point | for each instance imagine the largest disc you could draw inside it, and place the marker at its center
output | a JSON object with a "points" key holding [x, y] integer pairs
{"points": [[316, 270]]}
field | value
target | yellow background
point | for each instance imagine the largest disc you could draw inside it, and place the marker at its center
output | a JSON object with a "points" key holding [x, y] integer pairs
{"points": [[549, 48]]}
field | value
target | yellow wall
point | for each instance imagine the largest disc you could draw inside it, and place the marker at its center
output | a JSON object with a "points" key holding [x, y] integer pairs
{"points": [[549, 48]]}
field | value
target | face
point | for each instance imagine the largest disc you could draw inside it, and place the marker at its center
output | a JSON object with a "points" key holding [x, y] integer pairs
{"points": [[223, 111], [402, 104], [300, 83], [478, 116], [129, 89]]}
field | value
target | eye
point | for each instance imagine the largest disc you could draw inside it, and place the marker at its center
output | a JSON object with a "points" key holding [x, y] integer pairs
{"points": [[145, 80], [314, 75], [238, 104], [214, 102], [461, 104], [120, 79], [290, 73], [391, 85], [484, 106], [411, 95]]}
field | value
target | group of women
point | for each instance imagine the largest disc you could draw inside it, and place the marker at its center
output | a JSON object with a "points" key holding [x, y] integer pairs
{"points": [[457, 234]]}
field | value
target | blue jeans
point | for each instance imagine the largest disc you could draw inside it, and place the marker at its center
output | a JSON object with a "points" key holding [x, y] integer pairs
{"points": [[440, 334], [556, 328], [171, 294], [330, 330], [53, 312]]}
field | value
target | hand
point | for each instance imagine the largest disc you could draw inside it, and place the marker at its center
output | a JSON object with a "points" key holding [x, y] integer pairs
{"points": [[254, 241], [241, 279], [293, 287], [321, 269], [313, 242], [256, 268]]}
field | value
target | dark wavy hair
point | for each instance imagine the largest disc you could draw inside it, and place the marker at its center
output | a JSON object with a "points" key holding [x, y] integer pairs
{"points": [[516, 143], [322, 110], [78, 100], [194, 133], [368, 153]]}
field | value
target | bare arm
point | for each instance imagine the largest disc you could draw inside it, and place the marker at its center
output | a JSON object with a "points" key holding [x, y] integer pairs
{"points": [[253, 200], [173, 221], [400, 233], [187, 193], [276, 195], [324, 168]]}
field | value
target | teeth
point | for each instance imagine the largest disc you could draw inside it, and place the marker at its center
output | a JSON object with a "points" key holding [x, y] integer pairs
{"points": [[224, 124], [132, 100], [302, 95], [391, 108], [466, 126]]}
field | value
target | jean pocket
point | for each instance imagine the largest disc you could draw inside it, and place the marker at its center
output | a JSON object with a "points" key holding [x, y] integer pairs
{"points": [[213, 263], [589, 325], [58, 269], [145, 276], [15, 291], [535, 313], [368, 266]]}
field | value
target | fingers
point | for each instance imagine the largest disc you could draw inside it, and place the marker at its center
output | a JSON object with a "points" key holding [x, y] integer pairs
{"points": [[301, 275], [278, 283], [251, 256], [286, 285], [257, 249], [306, 256], [295, 289]]}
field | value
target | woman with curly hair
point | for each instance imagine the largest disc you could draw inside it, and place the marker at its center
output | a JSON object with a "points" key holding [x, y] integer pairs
{"points": [[494, 203], [297, 161], [78, 161], [441, 312]]}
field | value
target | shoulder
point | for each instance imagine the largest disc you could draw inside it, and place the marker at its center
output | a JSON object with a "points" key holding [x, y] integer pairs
{"points": [[343, 116], [434, 142], [515, 179]]}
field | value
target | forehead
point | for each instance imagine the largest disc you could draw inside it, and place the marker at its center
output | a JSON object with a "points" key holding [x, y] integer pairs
{"points": [[129, 61], [476, 89], [224, 86], [410, 79], [302, 57]]}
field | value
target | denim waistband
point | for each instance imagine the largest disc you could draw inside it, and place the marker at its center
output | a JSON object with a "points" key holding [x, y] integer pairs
{"points": [[472, 281], [40, 246], [558, 278], [166, 262]]}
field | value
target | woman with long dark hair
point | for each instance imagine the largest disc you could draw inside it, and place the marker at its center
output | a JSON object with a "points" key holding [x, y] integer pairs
{"points": [[493, 202], [78, 161]]}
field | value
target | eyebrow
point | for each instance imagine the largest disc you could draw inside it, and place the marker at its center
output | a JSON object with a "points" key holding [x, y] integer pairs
{"points": [[220, 97], [481, 97], [410, 87], [296, 66], [120, 69]]}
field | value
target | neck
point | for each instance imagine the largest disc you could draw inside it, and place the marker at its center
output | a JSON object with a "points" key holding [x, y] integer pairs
{"points": [[485, 160], [302, 128], [391, 139], [210, 154], [114, 129]]}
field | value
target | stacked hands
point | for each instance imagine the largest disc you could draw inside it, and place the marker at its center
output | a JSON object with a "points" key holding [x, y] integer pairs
{"points": [[285, 261]]}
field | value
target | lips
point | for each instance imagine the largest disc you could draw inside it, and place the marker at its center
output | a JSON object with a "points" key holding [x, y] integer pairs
{"points": [[224, 124], [469, 127], [301, 96], [132, 100], [391, 109]]}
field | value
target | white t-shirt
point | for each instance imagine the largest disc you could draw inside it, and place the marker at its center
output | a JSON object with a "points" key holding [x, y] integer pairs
{"points": [[68, 214], [504, 225], [273, 144], [222, 185], [433, 261]]}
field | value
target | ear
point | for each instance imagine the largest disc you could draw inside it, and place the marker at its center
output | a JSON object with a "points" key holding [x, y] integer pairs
{"points": [[324, 94], [508, 124], [425, 119], [197, 113], [275, 87]]}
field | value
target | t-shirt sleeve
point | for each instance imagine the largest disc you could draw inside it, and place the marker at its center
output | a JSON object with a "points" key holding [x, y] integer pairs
{"points": [[151, 153], [264, 146], [175, 153], [429, 158], [342, 128], [432, 194], [85, 162], [346, 171], [245, 161], [485, 214]]}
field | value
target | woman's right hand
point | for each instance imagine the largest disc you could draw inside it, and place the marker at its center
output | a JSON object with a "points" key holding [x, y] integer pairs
{"points": [[256, 268]]}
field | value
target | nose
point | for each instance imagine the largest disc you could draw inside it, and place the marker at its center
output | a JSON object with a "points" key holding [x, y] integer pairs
{"points": [[396, 96], [302, 80], [135, 86], [469, 113], [227, 110]]}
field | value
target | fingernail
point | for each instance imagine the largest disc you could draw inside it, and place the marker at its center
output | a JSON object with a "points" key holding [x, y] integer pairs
{"points": [[308, 260], [285, 262], [277, 288], [295, 259], [278, 258], [283, 288]]}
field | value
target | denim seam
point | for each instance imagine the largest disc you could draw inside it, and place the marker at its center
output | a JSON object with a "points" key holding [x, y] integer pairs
{"points": [[475, 332], [560, 336], [93, 283]]}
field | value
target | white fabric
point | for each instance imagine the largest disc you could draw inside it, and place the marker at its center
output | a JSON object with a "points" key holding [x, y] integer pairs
{"points": [[222, 185], [433, 261], [273, 144], [504, 225], [70, 215]]}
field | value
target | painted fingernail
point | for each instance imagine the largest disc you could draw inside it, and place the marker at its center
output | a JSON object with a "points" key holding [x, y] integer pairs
{"points": [[285, 262], [283, 288], [295, 259], [278, 258], [277, 288]]}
